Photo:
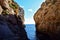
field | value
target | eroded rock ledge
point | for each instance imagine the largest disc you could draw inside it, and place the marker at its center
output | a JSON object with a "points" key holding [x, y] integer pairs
{"points": [[47, 20], [11, 21]]}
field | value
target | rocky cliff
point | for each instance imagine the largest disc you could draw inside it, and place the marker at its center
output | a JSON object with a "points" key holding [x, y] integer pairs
{"points": [[11, 21], [47, 20]]}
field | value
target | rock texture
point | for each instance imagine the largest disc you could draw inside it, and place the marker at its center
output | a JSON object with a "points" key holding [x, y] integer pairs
{"points": [[11, 21], [47, 20]]}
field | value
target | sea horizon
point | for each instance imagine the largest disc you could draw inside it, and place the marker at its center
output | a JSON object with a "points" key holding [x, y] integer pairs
{"points": [[29, 24]]}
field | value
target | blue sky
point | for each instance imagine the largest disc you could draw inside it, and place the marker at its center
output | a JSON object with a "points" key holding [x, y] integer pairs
{"points": [[30, 7]]}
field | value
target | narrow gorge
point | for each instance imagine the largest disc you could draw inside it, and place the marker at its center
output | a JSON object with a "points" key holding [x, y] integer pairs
{"points": [[47, 21]]}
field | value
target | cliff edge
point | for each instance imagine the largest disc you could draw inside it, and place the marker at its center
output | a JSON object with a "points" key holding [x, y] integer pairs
{"points": [[11, 21], [47, 20]]}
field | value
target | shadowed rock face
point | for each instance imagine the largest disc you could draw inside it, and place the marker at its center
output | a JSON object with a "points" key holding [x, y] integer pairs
{"points": [[47, 20], [11, 21]]}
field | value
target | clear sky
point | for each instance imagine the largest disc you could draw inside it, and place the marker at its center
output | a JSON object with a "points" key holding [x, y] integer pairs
{"points": [[30, 7]]}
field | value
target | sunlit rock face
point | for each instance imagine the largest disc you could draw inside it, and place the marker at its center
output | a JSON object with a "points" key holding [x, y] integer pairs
{"points": [[1, 9], [11, 21], [47, 20]]}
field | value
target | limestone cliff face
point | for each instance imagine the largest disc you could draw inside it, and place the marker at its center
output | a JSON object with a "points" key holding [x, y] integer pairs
{"points": [[11, 21], [47, 20]]}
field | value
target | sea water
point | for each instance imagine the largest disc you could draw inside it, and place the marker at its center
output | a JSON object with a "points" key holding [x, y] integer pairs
{"points": [[30, 29]]}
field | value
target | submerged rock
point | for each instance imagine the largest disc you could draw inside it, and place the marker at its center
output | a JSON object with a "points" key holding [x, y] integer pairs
{"points": [[47, 20], [11, 21]]}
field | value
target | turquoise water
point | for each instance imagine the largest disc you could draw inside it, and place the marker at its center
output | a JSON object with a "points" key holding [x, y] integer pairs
{"points": [[30, 29]]}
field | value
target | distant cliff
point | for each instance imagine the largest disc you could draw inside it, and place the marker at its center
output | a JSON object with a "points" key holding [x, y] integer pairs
{"points": [[47, 20], [11, 21]]}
